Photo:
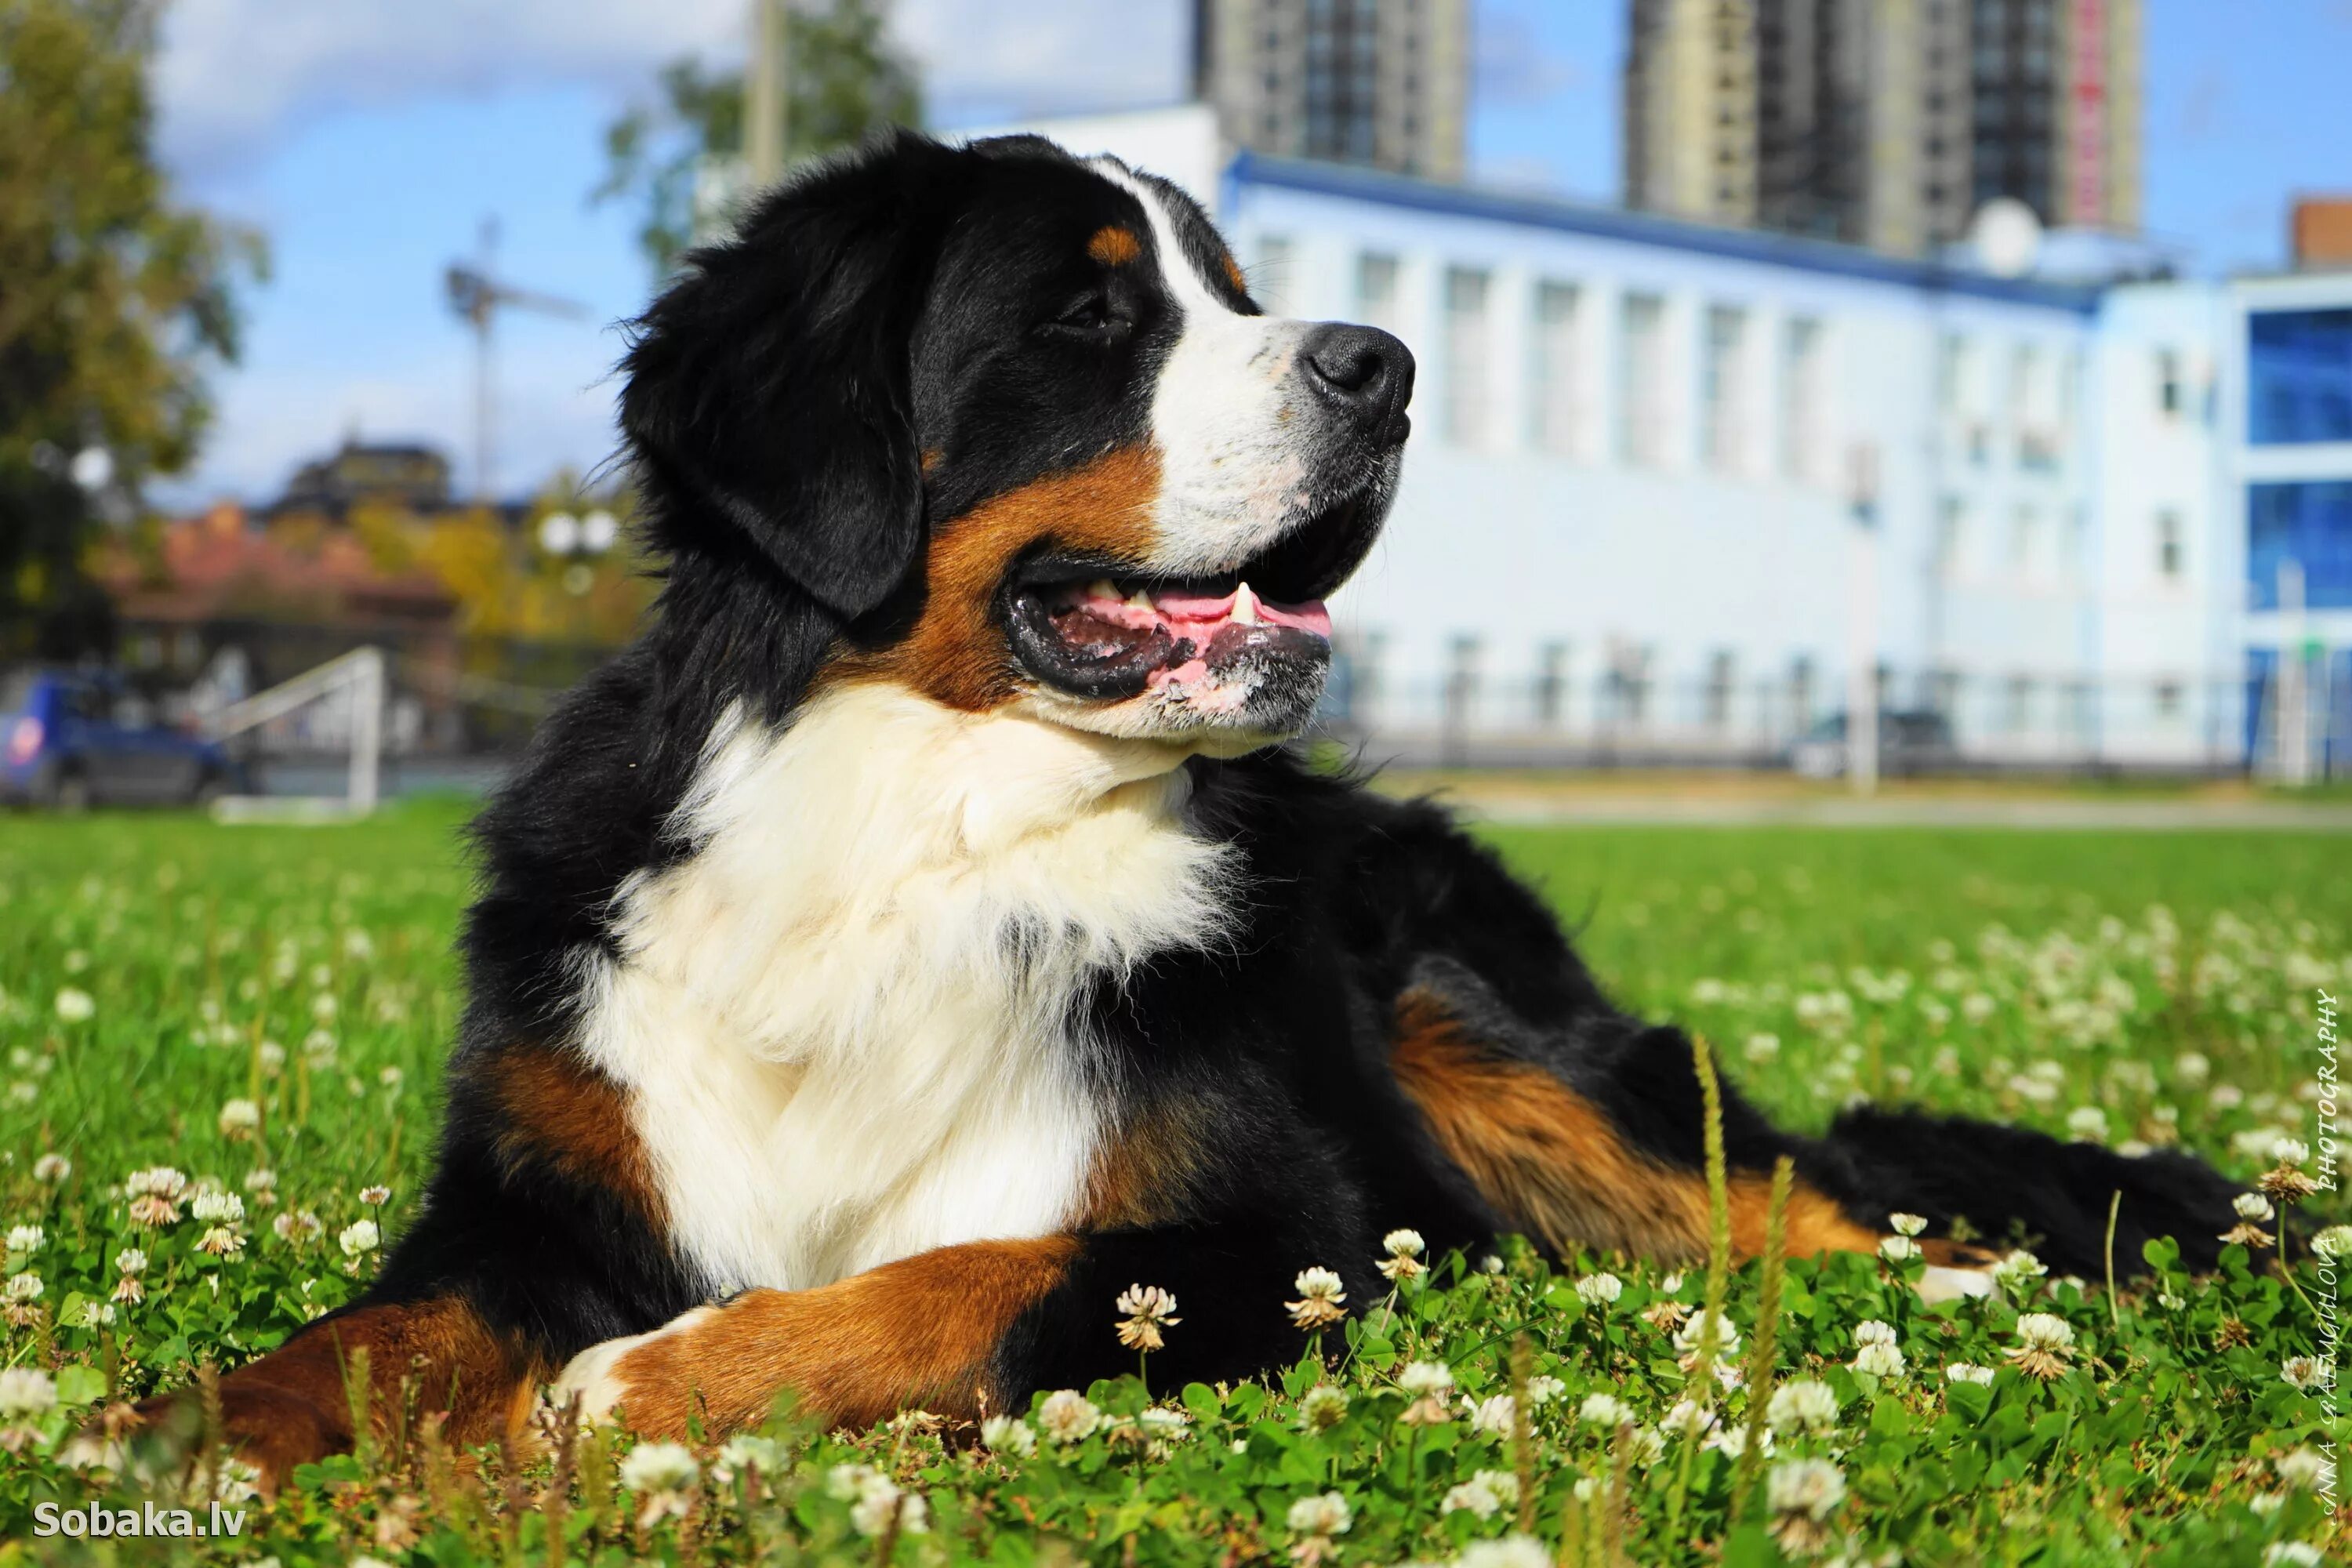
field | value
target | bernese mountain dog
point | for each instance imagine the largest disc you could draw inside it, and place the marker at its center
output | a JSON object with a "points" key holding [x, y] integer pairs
{"points": [[921, 933]]}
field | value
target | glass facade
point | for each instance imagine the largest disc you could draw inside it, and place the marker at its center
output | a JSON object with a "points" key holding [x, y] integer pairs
{"points": [[2299, 377], [2309, 521]]}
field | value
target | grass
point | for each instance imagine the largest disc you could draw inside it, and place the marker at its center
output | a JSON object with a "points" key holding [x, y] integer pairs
{"points": [[277, 1001]]}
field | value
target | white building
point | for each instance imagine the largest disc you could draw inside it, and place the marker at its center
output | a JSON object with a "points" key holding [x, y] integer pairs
{"points": [[1678, 489]]}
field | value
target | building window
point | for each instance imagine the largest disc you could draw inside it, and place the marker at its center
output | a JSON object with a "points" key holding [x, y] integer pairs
{"points": [[2299, 377], [1720, 669], [1642, 381], [1467, 358], [1723, 393], [2026, 542], [2167, 700], [1804, 394], [2017, 704], [1558, 392], [1952, 364], [1551, 685], [2169, 544], [1270, 280], [2170, 393], [2309, 523], [1951, 534], [1376, 290]]}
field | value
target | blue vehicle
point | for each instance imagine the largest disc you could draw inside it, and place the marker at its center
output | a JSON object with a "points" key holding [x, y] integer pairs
{"points": [[73, 739]]}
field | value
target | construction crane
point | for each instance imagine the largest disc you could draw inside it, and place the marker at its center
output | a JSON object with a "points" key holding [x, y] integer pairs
{"points": [[477, 295]]}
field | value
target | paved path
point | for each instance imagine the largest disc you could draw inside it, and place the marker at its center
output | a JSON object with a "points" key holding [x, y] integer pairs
{"points": [[1728, 811]]}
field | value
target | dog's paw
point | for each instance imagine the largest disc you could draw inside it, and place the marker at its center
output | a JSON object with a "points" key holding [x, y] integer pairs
{"points": [[599, 1377]]}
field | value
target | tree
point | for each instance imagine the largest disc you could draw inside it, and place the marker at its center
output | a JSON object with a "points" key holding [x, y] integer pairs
{"points": [[844, 81], [115, 304]]}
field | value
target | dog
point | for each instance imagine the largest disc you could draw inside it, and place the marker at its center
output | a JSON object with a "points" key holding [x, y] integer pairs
{"points": [[921, 935]]}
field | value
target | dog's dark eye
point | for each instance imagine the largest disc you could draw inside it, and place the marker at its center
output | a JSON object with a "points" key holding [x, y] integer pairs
{"points": [[1090, 316]]}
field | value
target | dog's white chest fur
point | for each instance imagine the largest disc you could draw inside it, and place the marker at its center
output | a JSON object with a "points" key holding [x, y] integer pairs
{"points": [[849, 1019]]}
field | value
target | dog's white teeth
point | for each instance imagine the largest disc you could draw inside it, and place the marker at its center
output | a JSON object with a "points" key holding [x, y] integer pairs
{"points": [[1244, 606], [1102, 588], [1139, 600]]}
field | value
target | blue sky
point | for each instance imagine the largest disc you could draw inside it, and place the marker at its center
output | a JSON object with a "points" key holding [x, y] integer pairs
{"points": [[369, 142]]}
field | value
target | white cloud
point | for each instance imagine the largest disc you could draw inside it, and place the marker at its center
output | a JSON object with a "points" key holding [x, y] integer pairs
{"points": [[236, 76]]}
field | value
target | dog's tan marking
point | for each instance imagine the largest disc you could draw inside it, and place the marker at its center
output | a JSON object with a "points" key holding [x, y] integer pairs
{"points": [[919, 1332], [956, 653], [1114, 246], [1549, 1160], [292, 1406], [560, 1112]]}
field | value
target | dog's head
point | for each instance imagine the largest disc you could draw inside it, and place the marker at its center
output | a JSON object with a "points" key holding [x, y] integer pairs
{"points": [[1013, 419]]}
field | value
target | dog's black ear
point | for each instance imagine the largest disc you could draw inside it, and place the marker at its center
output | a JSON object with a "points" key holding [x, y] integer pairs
{"points": [[770, 381]]}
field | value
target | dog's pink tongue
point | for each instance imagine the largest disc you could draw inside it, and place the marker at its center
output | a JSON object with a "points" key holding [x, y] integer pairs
{"points": [[1201, 616]]}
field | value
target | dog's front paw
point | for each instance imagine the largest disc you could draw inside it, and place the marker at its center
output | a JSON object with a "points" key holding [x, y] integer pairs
{"points": [[622, 1377]]}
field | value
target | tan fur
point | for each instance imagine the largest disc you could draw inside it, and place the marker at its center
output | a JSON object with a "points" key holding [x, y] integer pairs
{"points": [[1549, 1160], [292, 1406], [919, 1332], [956, 655], [564, 1112], [1114, 246]]}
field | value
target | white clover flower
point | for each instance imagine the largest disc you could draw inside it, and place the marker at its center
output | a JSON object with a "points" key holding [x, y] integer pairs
{"points": [[2288, 1150], [27, 1391], [1164, 1425], [131, 1260], [239, 1119], [1511, 1551], [1543, 1388], [2018, 1271], [1762, 1047], [2046, 1341], [26, 1237], [1321, 1408], [1009, 1434], [1425, 1379], [1906, 1223], [51, 1170], [1325, 1513], [2088, 1124], [218, 1208], [2302, 1372], [2304, 1470], [1802, 1404], [1494, 1414], [1485, 1494], [1600, 1289], [1687, 1419], [2291, 1554], [1068, 1417], [74, 1005], [1603, 1410], [1321, 1301], [1724, 1339], [22, 1288], [2335, 1242], [1878, 1360], [660, 1467], [1967, 1371], [879, 1501], [1144, 1310], [1808, 1489], [359, 1237], [91, 1315], [2252, 1207], [1404, 1248], [748, 1451], [1898, 1250]]}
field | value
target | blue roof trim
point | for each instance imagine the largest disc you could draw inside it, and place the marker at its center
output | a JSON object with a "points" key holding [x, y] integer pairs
{"points": [[1250, 168]]}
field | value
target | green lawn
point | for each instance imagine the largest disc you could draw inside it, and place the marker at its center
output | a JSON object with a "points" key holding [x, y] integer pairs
{"points": [[263, 1010]]}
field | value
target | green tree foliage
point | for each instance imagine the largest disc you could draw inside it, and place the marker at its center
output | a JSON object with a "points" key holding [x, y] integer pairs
{"points": [[114, 302], [844, 81]]}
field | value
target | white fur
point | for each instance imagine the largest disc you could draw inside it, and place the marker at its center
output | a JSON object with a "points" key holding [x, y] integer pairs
{"points": [[847, 1019], [1225, 416], [1943, 1283]]}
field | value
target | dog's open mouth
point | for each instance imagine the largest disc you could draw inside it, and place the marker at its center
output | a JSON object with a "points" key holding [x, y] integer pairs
{"points": [[1097, 629]]}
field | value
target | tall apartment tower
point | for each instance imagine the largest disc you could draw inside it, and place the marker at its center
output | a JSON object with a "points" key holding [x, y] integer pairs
{"points": [[1384, 82], [1883, 122]]}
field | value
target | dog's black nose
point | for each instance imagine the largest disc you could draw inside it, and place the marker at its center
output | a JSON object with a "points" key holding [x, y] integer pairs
{"points": [[1363, 371]]}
